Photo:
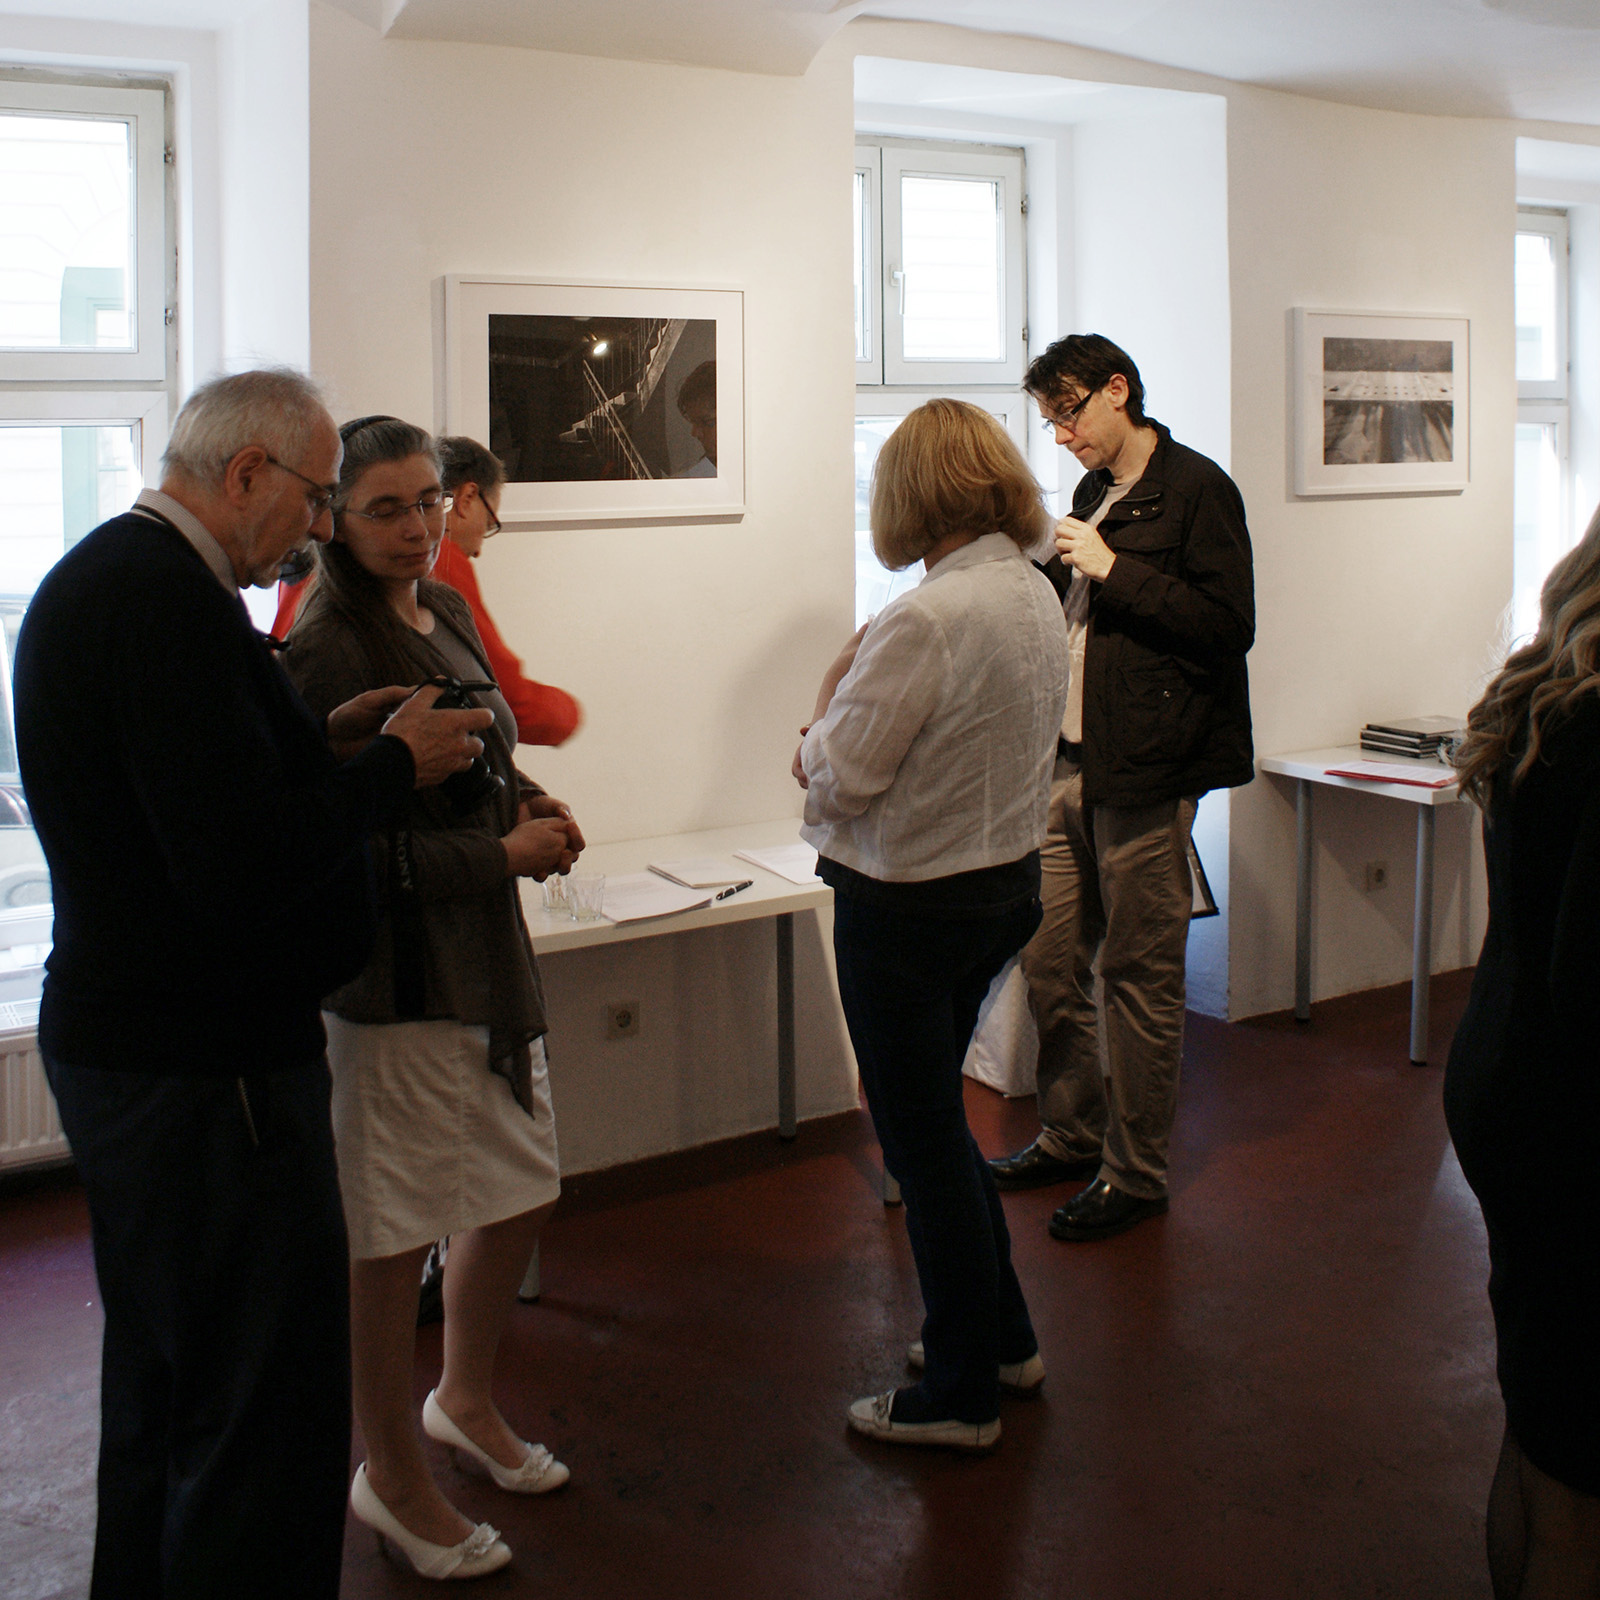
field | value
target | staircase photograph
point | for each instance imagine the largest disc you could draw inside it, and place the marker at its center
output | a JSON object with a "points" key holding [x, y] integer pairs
{"points": [[582, 399]]}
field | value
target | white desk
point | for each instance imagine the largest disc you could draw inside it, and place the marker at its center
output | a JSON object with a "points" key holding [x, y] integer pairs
{"points": [[1308, 767], [768, 896]]}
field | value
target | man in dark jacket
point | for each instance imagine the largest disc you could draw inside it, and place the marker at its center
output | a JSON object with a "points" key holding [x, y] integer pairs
{"points": [[207, 860], [1154, 571]]}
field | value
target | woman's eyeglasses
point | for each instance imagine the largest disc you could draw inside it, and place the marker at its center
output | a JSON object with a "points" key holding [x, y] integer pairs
{"points": [[430, 507]]}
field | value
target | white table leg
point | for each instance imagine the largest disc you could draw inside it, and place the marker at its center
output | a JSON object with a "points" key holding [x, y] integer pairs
{"points": [[786, 1116], [1422, 937], [529, 1291], [1302, 900]]}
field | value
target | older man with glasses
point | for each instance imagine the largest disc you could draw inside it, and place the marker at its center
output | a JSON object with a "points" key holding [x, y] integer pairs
{"points": [[1154, 571], [206, 838]]}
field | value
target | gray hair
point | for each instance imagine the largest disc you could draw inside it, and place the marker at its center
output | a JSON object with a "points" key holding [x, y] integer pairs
{"points": [[276, 408]]}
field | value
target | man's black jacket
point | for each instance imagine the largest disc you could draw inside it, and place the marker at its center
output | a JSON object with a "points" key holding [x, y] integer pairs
{"points": [[1166, 697]]}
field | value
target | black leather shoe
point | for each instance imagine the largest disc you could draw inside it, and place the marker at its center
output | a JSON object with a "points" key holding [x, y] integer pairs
{"points": [[1035, 1167], [1102, 1210]]}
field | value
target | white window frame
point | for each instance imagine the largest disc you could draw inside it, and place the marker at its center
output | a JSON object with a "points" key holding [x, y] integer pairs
{"points": [[995, 163], [869, 168], [145, 112], [1009, 406], [1554, 225], [1554, 414], [144, 409]]}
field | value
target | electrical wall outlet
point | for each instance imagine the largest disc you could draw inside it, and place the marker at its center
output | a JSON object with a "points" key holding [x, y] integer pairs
{"points": [[1377, 875], [622, 1019]]}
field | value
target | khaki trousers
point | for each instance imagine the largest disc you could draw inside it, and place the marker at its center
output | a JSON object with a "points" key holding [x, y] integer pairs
{"points": [[1117, 895]]}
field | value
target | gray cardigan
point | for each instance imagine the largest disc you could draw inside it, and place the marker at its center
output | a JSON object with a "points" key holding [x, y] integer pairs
{"points": [[478, 964]]}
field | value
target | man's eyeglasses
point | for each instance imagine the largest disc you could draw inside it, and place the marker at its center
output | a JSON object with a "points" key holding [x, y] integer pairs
{"points": [[1068, 418], [491, 523], [319, 496], [430, 507]]}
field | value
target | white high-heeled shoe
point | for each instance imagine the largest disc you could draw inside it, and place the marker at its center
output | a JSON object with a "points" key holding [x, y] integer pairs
{"points": [[539, 1473], [483, 1550]]}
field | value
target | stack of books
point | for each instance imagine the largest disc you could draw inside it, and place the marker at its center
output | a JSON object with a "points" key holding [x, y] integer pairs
{"points": [[1427, 738]]}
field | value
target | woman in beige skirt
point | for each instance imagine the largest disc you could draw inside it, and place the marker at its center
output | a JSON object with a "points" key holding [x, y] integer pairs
{"points": [[441, 1101]]}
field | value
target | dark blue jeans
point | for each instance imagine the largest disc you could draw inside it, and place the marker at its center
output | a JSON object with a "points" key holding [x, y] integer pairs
{"points": [[911, 987], [219, 1246]]}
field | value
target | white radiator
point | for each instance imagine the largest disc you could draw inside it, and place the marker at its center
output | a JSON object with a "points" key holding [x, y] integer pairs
{"points": [[30, 1130]]}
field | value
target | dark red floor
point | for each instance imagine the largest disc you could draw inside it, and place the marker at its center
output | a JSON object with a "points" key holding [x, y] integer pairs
{"points": [[1284, 1389]]}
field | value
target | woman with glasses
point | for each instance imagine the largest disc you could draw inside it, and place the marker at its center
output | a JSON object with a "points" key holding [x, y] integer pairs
{"points": [[474, 478], [441, 1103]]}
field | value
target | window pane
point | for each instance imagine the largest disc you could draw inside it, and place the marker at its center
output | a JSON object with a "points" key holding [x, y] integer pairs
{"points": [[951, 253], [876, 586], [66, 233], [1536, 285], [1538, 537], [863, 267], [56, 483]]}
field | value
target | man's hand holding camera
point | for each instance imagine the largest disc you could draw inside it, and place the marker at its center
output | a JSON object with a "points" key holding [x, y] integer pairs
{"points": [[440, 742]]}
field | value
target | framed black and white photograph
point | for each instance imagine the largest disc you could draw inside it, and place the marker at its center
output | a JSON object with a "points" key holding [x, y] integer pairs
{"points": [[607, 402], [1381, 403]]}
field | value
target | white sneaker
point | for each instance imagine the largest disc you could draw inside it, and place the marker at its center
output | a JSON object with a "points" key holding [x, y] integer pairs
{"points": [[871, 1417], [1021, 1377]]}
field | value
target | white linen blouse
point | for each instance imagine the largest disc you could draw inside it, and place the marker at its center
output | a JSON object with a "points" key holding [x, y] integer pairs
{"points": [[936, 752]]}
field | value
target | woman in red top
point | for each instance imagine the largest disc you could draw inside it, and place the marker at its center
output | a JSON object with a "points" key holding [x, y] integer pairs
{"points": [[475, 477]]}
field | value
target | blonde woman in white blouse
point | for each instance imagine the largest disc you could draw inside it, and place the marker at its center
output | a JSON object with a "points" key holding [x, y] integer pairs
{"points": [[927, 774]]}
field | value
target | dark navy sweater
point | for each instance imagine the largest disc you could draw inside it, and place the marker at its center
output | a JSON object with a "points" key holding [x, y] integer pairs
{"points": [[207, 854]]}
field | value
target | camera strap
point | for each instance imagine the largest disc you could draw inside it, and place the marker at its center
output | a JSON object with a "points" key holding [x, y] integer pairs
{"points": [[406, 928]]}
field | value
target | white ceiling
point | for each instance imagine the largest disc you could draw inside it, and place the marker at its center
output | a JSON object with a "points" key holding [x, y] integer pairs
{"points": [[1518, 58]]}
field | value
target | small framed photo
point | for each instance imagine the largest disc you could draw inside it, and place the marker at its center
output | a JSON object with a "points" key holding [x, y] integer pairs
{"points": [[608, 403], [1381, 403]]}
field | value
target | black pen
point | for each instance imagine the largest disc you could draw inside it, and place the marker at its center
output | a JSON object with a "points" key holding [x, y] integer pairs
{"points": [[732, 889]]}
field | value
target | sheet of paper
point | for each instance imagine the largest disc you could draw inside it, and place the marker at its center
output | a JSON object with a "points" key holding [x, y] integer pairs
{"points": [[797, 862], [1424, 774], [701, 872], [633, 896]]}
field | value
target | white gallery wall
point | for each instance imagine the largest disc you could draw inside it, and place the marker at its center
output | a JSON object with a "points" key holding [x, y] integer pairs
{"points": [[1365, 608], [1099, 257], [1150, 208], [264, 138], [695, 651]]}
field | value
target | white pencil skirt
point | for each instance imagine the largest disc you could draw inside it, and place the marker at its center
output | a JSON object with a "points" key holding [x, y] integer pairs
{"points": [[430, 1141]]}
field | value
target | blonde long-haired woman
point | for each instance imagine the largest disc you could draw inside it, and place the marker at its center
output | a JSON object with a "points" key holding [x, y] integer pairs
{"points": [[1522, 1092]]}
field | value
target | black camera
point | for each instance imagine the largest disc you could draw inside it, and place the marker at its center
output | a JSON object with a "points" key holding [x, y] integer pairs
{"points": [[470, 788]]}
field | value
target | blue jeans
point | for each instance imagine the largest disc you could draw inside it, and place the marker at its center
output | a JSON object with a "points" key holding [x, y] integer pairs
{"points": [[219, 1246], [911, 987]]}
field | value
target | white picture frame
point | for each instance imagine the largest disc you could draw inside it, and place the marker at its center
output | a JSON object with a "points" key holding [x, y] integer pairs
{"points": [[1382, 403], [537, 369]]}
